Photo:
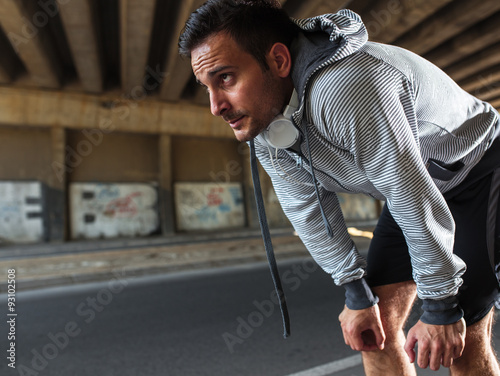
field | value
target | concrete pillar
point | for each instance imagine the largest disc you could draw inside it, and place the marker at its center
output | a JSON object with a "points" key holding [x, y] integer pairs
{"points": [[56, 188], [165, 190]]}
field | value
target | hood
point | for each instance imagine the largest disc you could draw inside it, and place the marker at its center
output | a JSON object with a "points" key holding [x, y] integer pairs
{"points": [[323, 40]]}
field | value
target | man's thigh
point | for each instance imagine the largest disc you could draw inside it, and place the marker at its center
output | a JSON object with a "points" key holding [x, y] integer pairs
{"points": [[475, 211], [388, 260]]}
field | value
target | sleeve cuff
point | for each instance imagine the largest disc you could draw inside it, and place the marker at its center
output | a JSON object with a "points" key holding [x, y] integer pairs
{"points": [[441, 312], [358, 295]]}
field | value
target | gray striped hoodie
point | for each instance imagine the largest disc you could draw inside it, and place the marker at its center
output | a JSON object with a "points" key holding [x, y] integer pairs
{"points": [[381, 120]]}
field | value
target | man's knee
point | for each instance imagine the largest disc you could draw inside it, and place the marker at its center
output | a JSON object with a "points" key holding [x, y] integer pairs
{"points": [[478, 343]]}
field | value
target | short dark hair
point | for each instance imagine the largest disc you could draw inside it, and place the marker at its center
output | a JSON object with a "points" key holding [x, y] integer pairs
{"points": [[255, 25]]}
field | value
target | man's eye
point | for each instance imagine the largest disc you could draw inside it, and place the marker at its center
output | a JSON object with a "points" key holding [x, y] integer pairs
{"points": [[225, 77]]}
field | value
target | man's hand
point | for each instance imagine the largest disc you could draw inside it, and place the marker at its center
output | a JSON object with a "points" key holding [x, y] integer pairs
{"points": [[362, 328], [437, 344]]}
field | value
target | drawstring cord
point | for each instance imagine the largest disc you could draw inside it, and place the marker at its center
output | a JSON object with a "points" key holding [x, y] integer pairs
{"points": [[266, 235], [323, 215]]}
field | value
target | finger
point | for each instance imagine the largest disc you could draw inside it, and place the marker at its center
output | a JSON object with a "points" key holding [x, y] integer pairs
{"points": [[459, 348], [457, 351], [346, 338], [369, 341], [353, 339], [423, 355], [435, 360], [447, 359], [410, 348], [357, 342], [380, 338]]}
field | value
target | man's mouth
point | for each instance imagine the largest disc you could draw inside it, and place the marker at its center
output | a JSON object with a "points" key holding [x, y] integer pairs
{"points": [[235, 123]]}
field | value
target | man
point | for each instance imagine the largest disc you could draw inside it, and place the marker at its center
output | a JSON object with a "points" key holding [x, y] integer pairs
{"points": [[378, 120]]}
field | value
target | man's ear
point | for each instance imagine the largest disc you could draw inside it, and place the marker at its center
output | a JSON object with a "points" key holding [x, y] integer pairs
{"points": [[280, 60]]}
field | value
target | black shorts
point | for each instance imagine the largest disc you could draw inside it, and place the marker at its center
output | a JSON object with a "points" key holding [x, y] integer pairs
{"points": [[474, 205]]}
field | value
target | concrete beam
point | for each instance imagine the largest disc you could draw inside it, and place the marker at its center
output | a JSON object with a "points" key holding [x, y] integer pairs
{"points": [[492, 93], [201, 97], [358, 6], [178, 70], [496, 103], [475, 63], [470, 41], [178, 75], [446, 23], [105, 114], [312, 8], [8, 68], [386, 20], [78, 21], [25, 28], [5, 75], [136, 26], [481, 82]]}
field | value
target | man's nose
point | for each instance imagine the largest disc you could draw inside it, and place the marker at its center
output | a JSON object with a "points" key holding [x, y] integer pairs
{"points": [[218, 103]]}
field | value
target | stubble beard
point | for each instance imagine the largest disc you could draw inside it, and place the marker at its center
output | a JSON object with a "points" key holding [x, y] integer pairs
{"points": [[250, 132], [257, 126]]}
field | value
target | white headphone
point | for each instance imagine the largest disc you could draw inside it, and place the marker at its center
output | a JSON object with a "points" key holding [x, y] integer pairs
{"points": [[282, 133]]}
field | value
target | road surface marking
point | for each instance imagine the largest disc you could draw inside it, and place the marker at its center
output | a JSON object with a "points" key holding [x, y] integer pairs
{"points": [[333, 367]]}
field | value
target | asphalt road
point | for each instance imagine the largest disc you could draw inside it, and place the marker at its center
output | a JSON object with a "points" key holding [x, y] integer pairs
{"points": [[215, 322]]}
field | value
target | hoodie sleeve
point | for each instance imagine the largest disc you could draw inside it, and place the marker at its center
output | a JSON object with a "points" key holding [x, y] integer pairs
{"points": [[337, 256]]}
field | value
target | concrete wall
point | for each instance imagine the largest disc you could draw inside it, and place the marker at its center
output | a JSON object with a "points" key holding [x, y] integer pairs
{"points": [[25, 154], [113, 157], [61, 139], [206, 160]]}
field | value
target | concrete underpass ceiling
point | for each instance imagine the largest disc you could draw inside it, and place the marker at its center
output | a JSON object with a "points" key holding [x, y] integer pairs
{"points": [[129, 47]]}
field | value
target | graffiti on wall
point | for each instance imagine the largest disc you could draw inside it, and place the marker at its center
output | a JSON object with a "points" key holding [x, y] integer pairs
{"points": [[209, 206], [21, 212], [100, 210]]}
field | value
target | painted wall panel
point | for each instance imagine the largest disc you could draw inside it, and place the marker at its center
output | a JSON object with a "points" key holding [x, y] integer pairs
{"points": [[99, 210], [209, 206], [21, 212]]}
